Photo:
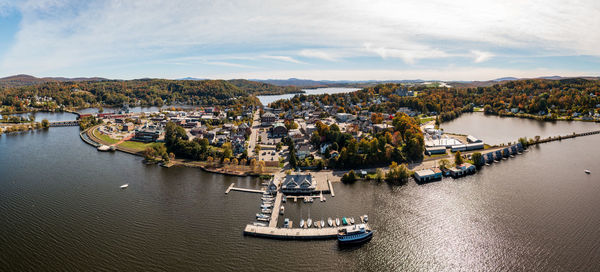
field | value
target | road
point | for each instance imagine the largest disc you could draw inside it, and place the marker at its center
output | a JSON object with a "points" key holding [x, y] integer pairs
{"points": [[254, 133]]}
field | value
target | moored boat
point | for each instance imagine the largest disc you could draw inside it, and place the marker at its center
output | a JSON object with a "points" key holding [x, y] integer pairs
{"points": [[286, 223], [354, 235], [344, 221], [259, 224], [330, 221], [322, 223], [337, 222], [352, 220], [282, 210], [302, 223], [309, 222], [366, 218], [316, 224]]}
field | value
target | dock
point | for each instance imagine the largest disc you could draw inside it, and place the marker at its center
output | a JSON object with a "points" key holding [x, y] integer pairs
{"points": [[276, 207], [233, 188], [293, 233], [331, 188]]}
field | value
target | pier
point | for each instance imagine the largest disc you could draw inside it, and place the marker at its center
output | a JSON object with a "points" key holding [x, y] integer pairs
{"points": [[331, 188], [276, 207], [233, 188], [64, 123]]}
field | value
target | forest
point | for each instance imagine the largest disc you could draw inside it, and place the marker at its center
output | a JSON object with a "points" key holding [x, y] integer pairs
{"points": [[143, 92]]}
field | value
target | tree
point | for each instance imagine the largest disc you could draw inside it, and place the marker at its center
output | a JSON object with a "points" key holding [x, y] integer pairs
{"points": [[398, 173], [458, 159], [477, 159], [524, 142], [349, 177], [45, 123], [444, 164], [379, 174], [293, 159]]}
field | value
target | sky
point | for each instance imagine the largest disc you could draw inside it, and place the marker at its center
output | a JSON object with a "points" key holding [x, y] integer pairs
{"points": [[320, 40]]}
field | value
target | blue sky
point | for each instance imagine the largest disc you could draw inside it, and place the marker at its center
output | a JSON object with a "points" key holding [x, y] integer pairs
{"points": [[335, 40]]}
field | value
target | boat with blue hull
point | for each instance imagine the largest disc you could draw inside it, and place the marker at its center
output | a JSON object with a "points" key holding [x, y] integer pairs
{"points": [[354, 235]]}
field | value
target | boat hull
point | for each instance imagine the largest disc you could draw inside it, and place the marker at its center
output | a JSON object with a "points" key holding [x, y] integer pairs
{"points": [[349, 242]]}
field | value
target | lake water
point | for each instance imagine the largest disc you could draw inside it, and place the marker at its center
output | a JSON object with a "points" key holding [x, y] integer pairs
{"points": [[497, 130], [61, 209], [267, 99]]}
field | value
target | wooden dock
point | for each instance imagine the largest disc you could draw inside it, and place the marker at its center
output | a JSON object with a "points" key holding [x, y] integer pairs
{"points": [[276, 207], [233, 188], [331, 188], [293, 233]]}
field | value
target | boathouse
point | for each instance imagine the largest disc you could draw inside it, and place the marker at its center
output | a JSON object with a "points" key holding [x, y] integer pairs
{"points": [[474, 146], [428, 175], [298, 184], [462, 170], [472, 139]]}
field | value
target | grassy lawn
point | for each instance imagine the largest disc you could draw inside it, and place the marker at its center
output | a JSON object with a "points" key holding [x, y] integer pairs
{"points": [[105, 138], [424, 120], [139, 146]]}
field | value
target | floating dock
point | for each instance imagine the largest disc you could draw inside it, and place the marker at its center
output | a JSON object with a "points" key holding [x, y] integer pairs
{"points": [[330, 188], [276, 207], [293, 233], [233, 188]]}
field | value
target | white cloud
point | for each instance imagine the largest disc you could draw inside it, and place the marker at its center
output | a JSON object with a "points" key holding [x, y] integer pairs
{"points": [[481, 56], [318, 54], [71, 35]]}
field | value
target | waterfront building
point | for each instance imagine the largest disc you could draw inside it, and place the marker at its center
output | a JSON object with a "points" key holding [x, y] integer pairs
{"points": [[462, 170], [472, 139], [426, 175], [298, 184], [146, 135]]}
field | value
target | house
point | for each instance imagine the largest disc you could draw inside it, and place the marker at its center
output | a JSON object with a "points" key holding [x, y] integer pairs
{"points": [[279, 130], [344, 117], [426, 175], [296, 135], [302, 151], [298, 184], [267, 119]]}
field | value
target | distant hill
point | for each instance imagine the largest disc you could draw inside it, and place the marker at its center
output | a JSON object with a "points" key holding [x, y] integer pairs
{"points": [[27, 80], [308, 83]]}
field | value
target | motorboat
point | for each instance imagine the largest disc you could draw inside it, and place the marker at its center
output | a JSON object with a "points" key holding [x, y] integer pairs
{"points": [[337, 222], [286, 223], [302, 223], [366, 217], [316, 224], [322, 223], [262, 215], [354, 235], [352, 220], [259, 224], [268, 211], [124, 186], [587, 171], [282, 210], [344, 221], [309, 222], [330, 222]]}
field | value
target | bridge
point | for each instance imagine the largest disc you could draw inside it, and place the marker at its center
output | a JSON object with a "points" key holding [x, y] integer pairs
{"points": [[65, 123]]}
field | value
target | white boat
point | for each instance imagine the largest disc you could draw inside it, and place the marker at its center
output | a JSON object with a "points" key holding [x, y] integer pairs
{"points": [[268, 211], [330, 222], [337, 222], [259, 224], [351, 220], [124, 186], [286, 223], [322, 223], [587, 171], [366, 218], [302, 223], [282, 210], [260, 215], [316, 224], [309, 222]]}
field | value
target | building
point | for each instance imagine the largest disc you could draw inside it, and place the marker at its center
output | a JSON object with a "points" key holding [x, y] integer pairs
{"points": [[298, 184], [428, 175], [146, 135], [279, 130], [462, 170], [435, 150], [267, 119], [344, 117], [472, 139], [128, 127], [474, 146], [303, 151]]}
